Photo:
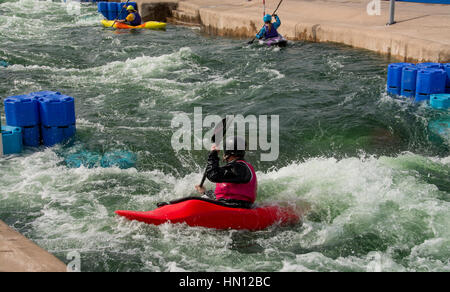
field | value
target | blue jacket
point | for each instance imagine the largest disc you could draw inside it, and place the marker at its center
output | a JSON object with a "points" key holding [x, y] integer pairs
{"points": [[273, 32]]}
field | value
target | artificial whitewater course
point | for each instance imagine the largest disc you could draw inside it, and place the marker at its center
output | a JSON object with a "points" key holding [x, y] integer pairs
{"points": [[371, 179]]}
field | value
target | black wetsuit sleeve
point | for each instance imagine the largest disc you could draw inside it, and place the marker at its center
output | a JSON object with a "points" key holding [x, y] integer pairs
{"points": [[233, 172]]}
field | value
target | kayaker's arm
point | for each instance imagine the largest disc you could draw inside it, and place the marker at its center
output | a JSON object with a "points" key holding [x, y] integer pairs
{"points": [[234, 172], [277, 22], [261, 33]]}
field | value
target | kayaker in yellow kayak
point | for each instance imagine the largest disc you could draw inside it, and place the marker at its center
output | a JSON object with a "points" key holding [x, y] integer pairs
{"points": [[133, 18]]}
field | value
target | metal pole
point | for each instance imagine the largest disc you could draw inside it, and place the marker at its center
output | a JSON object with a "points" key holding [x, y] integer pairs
{"points": [[391, 12]]}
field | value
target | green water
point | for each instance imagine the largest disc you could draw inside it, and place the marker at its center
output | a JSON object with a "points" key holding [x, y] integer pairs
{"points": [[377, 186]]}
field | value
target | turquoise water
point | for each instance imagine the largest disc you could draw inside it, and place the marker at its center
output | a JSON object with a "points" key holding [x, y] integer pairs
{"points": [[375, 182]]}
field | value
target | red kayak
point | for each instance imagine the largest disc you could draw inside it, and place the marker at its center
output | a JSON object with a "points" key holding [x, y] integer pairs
{"points": [[196, 211]]}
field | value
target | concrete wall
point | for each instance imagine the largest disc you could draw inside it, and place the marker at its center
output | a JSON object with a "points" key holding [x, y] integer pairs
{"points": [[421, 34], [18, 254]]}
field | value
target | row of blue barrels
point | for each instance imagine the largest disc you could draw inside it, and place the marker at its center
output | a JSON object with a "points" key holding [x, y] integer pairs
{"points": [[418, 81], [45, 117], [113, 10]]}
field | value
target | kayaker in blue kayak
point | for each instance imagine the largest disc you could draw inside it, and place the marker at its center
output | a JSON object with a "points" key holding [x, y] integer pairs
{"points": [[133, 18], [236, 182], [269, 30]]}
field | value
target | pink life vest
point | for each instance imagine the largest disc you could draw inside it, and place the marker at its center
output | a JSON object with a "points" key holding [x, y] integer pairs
{"points": [[244, 192]]}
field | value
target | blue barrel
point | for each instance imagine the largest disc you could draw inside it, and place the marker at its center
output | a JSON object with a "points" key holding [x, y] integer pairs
{"points": [[408, 84], [429, 65], [69, 131], [440, 101], [31, 136], [447, 83], [12, 139], [39, 94], [394, 77], [102, 7], [52, 135], [112, 10], [429, 81], [123, 13], [57, 110], [21, 111]]}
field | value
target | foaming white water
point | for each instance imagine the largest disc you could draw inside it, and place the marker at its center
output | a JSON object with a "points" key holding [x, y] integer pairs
{"points": [[381, 198]]}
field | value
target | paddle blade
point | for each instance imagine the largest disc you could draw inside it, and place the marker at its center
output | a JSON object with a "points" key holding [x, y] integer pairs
{"points": [[221, 130]]}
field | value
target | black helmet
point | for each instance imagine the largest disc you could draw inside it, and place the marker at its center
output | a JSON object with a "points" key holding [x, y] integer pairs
{"points": [[235, 146]]}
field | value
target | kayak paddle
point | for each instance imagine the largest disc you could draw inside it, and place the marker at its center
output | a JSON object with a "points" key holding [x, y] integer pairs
{"points": [[223, 126], [115, 20], [220, 127]]}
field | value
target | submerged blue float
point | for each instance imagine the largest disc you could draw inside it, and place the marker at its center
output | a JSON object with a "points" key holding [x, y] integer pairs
{"points": [[121, 159], [440, 130]]}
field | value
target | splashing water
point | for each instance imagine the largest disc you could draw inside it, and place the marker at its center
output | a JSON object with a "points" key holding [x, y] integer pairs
{"points": [[376, 187]]}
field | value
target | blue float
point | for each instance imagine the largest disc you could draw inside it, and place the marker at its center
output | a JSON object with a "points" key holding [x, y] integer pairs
{"points": [[4, 63], [440, 101], [120, 159], [408, 84], [447, 83], [52, 135], [429, 81], [83, 158], [394, 77], [11, 139], [113, 10], [440, 130], [45, 93], [69, 131], [57, 110], [31, 136], [21, 111], [102, 7], [122, 10], [429, 65]]}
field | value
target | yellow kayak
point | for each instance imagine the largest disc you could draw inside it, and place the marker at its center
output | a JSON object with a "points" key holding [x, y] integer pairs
{"points": [[147, 25]]}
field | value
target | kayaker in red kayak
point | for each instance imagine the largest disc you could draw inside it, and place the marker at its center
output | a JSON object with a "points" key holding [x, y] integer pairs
{"points": [[236, 182]]}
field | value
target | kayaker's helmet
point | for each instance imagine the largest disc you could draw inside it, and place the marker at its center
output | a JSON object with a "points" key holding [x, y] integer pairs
{"points": [[130, 8], [235, 146], [267, 18]]}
